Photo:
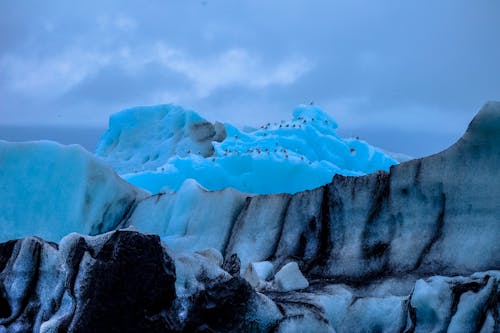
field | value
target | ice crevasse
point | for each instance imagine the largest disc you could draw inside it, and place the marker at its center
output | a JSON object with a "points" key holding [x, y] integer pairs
{"points": [[159, 147]]}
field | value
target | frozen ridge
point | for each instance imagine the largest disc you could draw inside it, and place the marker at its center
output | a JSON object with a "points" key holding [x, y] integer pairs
{"points": [[159, 147]]}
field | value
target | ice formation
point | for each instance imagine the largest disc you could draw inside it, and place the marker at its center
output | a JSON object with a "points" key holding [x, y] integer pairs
{"points": [[414, 249], [159, 147], [50, 190], [289, 278], [135, 284]]}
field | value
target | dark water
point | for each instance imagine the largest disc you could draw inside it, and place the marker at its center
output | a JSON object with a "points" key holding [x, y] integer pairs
{"points": [[416, 144], [86, 137]]}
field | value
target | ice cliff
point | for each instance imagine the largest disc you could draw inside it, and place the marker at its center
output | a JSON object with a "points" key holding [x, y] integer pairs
{"points": [[414, 249], [419, 217]]}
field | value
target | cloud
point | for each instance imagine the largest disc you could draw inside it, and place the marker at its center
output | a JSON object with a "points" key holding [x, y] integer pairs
{"points": [[423, 66], [84, 85], [231, 67], [51, 76]]}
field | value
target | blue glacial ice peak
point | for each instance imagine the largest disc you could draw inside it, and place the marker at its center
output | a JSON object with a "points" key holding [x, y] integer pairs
{"points": [[159, 147]]}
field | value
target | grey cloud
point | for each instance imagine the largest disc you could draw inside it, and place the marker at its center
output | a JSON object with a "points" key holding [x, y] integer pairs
{"points": [[371, 64], [114, 84]]}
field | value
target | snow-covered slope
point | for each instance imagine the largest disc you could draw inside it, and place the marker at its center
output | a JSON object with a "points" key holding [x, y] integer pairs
{"points": [[50, 190], [159, 147]]}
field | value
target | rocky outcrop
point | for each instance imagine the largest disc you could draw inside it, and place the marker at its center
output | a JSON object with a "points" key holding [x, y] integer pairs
{"points": [[117, 282]]}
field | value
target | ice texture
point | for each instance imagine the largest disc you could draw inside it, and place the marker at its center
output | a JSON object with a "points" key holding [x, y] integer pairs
{"points": [[289, 278], [159, 147], [128, 281], [50, 190], [192, 219], [414, 249], [257, 273], [438, 214]]}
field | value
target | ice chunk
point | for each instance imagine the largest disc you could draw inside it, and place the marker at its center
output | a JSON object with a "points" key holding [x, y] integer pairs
{"points": [[289, 278], [431, 299], [264, 312], [212, 255], [471, 308], [256, 272]]}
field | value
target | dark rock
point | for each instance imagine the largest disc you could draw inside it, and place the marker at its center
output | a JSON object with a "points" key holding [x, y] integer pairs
{"points": [[130, 283], [117, 282], [221, 307], [232, 265]]}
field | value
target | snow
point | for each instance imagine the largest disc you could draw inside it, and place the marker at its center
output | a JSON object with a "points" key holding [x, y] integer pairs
{"points": [[289, 278], [159, 147], [49, 190]]}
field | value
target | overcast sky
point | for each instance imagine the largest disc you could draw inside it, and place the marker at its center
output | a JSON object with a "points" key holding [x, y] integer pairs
{"points": [[407, 75]]}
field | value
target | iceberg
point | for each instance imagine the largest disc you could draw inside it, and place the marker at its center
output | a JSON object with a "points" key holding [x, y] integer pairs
{"points": [[159, 147], [50, 190]]}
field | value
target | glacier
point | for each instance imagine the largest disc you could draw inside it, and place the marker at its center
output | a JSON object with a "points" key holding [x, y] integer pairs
{"points": [[411, 249], [159, 147], [50, 190]]}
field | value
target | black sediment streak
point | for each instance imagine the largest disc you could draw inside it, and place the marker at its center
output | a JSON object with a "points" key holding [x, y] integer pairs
{"points": [[412, 313], [241, 213], [236, 224], [325, 244], [457, 292], [437, 233], [127, 214], [281, 226]]}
